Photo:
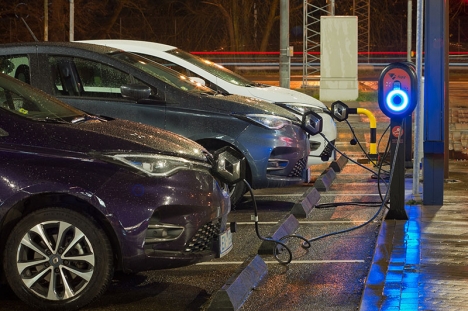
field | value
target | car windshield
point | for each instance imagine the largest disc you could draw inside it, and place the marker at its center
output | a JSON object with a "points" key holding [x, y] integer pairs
{"points": [[23, 100], [163, 73], [213, 68]]}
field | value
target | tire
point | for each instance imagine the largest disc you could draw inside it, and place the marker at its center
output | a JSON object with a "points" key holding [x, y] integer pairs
{"points": [[64, 244]]}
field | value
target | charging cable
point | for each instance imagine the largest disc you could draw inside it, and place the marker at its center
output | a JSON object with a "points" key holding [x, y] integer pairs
{"points": [[384, 201], [305, 244]]}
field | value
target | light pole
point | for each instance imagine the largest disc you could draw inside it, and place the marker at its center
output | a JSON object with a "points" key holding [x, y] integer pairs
{"points": [[72, 21], [46, 20]]}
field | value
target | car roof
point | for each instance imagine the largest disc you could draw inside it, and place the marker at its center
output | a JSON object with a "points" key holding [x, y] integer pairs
{"points": [[27, 46], [129, 45]]}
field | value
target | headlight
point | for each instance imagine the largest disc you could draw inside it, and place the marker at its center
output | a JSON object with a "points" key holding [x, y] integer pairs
{"points": [[159, 165], [269, 121]]}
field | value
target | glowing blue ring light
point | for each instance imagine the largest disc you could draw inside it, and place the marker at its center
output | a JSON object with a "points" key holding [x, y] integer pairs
{"points": [[397, 94], [398, 89]]}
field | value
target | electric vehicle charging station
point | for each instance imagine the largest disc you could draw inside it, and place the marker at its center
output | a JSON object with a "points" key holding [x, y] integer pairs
{"points": [[397, 96]]}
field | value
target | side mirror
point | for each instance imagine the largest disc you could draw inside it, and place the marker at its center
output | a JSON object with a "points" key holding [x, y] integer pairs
{"points": [[340, 111], [312, 123], [229, 165], [6, 66], [135, 91]]}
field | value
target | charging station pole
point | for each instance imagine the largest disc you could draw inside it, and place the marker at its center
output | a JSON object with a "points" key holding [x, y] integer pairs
{"points": [[397, 100], [397, 186]]}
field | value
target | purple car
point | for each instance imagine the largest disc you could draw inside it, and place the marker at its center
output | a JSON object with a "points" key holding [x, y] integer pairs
{"points": [[82, 196]]}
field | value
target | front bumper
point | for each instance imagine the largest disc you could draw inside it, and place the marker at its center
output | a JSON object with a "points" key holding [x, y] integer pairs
{"points": [[189, 205], [275, 158]]}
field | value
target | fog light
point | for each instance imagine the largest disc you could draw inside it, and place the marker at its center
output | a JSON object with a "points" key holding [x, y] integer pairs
{"points": [[157, 233]]}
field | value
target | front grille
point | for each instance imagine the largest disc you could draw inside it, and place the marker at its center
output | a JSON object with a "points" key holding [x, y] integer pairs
{"points": [[204, 238], [298, 168]]}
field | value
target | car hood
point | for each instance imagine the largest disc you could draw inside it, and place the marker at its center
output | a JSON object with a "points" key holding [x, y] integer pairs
{"points": [[280, 95], [124, 136], [247, 105]]}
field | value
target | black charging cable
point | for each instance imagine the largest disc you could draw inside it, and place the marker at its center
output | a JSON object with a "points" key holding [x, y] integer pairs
{"points": [[379, 211], [307, 242], [276, 252]]}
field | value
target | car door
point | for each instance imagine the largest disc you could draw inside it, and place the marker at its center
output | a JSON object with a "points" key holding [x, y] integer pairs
{"points": [[96, 88]]}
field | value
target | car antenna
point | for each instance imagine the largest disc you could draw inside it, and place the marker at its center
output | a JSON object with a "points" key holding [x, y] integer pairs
{"points": [[24, 21]]}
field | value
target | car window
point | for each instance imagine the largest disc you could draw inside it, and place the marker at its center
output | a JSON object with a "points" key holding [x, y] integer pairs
{"points": [[16, 103], [16, 66], [83, 77], [168, 64], [213, 68], [26, 103], [184, 71], [162, 73]]}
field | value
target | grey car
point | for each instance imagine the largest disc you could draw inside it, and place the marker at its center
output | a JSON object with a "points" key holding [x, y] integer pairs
{"points": [[110, 82]]}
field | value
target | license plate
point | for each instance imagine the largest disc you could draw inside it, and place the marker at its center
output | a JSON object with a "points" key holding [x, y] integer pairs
{"points": [[225, 242]]}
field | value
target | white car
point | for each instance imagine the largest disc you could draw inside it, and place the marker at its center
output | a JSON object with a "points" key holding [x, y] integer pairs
{"points": [[225, 81]]}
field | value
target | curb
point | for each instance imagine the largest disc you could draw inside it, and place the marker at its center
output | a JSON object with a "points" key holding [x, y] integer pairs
{"points": [[338, 165], [374, 286], [324, 181], [287, 226], [306, 203], [239, 286]]}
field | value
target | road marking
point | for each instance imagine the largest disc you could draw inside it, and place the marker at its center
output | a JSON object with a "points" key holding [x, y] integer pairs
{"points": [[220, 263], [331, 221], [349, 194], [321, 194], [305, 222]]}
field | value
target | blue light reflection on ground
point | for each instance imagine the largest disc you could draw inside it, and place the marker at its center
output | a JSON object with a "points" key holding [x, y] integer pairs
{"points": [[394, 280]]}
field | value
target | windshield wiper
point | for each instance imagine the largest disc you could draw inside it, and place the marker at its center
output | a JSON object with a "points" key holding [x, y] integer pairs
{"points": [[256, 84], [50, 120], [85, 118], [208, 93]]}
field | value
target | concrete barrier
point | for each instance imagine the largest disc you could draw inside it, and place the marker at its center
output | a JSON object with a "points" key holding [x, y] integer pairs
{"points": [[239, 286]]}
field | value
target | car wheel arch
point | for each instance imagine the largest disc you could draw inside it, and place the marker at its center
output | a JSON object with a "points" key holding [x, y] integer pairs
{"points": [[44, 200], [68, 234]]}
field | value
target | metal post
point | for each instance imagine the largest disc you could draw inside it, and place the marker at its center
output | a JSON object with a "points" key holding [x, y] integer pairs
{"points": [[285, 61], [368, 32], [373, 153], [397, 183], [418, 113], [46, 20], [408, 142], [72, 21], [409, 31], [435, 96], [332, 8]]}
